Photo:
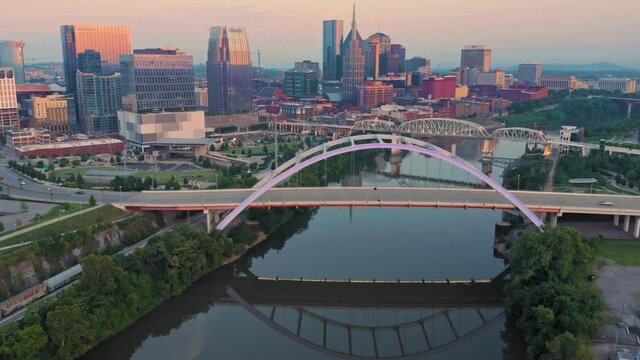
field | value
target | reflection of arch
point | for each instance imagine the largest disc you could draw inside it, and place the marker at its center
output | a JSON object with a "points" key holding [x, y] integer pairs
{"points": [[417, 326], [520, 134], [309, 158], [374, 125], [443, 127]]}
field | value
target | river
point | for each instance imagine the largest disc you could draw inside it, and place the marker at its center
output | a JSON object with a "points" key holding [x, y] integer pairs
{"points": [[342, 243]]}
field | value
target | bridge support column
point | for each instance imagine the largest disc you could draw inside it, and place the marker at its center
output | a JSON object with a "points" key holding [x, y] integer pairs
{"points": [[629, 106], [208, 214], [616, 220], [636, 228], [627, 221], [553, 219]]}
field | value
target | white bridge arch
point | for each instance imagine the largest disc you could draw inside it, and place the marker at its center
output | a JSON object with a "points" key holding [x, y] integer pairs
{"points": [[369, 142]]}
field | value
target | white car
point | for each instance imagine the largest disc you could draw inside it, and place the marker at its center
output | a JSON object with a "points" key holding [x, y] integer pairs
{"points": [[606, 203]]}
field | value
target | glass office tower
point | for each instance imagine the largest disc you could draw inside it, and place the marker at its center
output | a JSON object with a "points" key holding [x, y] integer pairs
{"points": [[229, 70], [332, 33], [11, 55]]}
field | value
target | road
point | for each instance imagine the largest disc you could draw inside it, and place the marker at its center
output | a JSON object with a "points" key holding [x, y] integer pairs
{"points": [[387, 196]]}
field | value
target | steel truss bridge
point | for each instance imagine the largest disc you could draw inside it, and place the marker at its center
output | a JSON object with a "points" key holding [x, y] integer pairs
{"points": [[427, 127]]}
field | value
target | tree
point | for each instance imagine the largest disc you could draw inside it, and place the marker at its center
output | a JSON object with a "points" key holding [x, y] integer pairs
{"points": [[24, 207], [1, 226], [29, 342], [92, 201], [243, 234], [99, 274], [567, 347], [69, 329]]}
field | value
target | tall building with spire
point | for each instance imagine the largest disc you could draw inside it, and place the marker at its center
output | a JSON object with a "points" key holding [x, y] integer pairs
{"points": [[352, 63]]}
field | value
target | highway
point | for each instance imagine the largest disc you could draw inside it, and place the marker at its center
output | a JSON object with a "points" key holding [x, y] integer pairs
{"points": [[384, 196]]}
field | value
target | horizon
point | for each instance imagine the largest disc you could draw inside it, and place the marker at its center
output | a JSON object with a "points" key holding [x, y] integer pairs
{"points": [[591, 33]]}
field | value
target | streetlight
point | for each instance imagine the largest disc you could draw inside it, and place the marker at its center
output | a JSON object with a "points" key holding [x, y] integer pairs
{"points": [[120, 187], [518, 182], [51, 193]]}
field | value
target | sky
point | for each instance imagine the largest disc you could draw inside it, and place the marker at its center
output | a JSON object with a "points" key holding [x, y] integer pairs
{"points": [[550, 31]]}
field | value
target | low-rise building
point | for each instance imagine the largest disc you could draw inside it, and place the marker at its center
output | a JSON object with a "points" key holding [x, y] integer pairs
{"points": [[372, 94], [72, 147], [495, 77], [524, 93], [557, 83], [626, 86], [143, 130], [24, 137]]}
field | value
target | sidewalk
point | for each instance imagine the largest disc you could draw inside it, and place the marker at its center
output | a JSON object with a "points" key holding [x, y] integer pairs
{"points": [[52, 221]]}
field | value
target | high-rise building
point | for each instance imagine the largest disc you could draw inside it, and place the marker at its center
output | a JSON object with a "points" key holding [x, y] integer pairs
{"points": [[476, 56], [50, 112], [99, 100], [626, 86], [372, 94], [309, 65], [110, 41], [352, 63], [332, 33], [371, 49], [417, 63], [11, 55], [439, 87], [157, 80], [396, 58], [229, 70], [529, 73], [384, 47], [90, 62], [8, 100], [300, 83]]}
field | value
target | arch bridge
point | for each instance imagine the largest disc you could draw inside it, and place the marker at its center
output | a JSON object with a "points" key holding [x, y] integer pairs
{"points": [[370, 142]]}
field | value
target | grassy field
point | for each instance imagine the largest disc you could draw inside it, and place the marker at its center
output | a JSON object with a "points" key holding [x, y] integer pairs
{"points": [[163, 176], [623, 252], [65, 172], [259, 150], [106, 213]]}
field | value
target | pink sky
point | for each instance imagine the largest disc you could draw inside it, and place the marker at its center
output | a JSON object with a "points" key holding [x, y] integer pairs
{"points": [[551, 31]]}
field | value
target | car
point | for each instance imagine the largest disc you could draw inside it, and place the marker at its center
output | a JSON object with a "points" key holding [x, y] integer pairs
{"points": [[1, 214], [606, 203], [80, 192]]}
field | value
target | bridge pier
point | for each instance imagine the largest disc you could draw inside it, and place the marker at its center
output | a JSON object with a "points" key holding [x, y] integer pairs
{"points": [[553, 219], [629, 107], [627, 221], [616, 220], [213, 217], [636, 228]]}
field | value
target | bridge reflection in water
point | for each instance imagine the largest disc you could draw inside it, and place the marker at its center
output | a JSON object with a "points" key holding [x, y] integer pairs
{"points": [[437, 315]]}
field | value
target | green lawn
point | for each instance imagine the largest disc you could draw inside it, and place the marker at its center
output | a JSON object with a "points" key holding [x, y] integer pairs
{"points": [[162, 177], [623, 252], [259, 150], [63, 173], [106, 213]]}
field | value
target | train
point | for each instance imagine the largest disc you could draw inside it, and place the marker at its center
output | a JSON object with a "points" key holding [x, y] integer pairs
{"points": [[36, 292]]}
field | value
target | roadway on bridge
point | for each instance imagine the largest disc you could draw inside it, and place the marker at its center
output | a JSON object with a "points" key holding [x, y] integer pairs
{"points": [[384, 196]]}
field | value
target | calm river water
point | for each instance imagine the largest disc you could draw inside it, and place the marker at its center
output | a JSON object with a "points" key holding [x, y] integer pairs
{"points": [[343, 243]]}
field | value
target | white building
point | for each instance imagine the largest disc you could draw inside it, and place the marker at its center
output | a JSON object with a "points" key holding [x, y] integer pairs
{"points": [[142, 130], [8, 100], [615, 84]]}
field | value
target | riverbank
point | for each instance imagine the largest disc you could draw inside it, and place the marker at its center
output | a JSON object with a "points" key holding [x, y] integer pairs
{"points": [[114, 293]]}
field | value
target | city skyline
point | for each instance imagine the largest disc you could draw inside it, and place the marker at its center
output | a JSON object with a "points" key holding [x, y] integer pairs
{"points": [[575, 32]]}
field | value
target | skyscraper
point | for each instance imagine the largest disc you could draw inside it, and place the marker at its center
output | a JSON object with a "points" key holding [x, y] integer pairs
{"points": [[8, 100], [11, 55], [352, 63], [476, 56], [90, 62], [300, 83], [371, 49], [110, 41], [99, 100], [396, 58], [332, 33], [229, 70], [157, 80], [384, 48], [529, 73]]}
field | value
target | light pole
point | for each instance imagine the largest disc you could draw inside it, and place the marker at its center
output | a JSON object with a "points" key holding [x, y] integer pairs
{"points": [[120, 187], [51, 193], [518, 182]]}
